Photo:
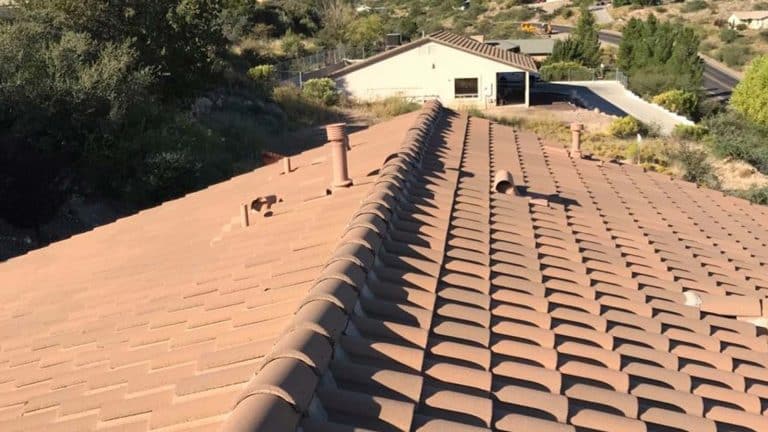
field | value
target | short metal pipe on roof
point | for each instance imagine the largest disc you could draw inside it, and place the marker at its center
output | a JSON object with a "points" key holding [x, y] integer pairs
{"points": [[337, 141], [503, 182], [286, 165], [244, 216], [576, 129]]}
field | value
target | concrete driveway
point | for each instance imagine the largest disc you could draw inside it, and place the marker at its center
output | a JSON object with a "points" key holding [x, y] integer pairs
{"points": [[612, 98]]}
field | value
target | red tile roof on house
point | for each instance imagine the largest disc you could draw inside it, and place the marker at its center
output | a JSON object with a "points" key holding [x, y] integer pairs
{"points": [[157, 321], [452, 40], [598, 297], [601, 298]]}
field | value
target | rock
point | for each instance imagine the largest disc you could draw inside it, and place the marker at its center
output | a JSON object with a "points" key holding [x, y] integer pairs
{"points": [[202, 106]]}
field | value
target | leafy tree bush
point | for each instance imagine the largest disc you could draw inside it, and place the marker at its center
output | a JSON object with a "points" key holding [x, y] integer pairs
{"points": [[583, 46], [732, 135], [689, 132], [565, 71], [292, 45], [366, 32], [736, 55], [60, 94], [300, 110], [750, 97], [660, 56], [755, 194], [694, 6], [681, 102], [741, 27], [321, 90], [182, 40], [625, 127], [696, 166], [264, 77], [728, 35]]}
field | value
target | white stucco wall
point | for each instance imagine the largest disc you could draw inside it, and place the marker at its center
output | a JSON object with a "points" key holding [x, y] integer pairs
{"points": [[426, 72], [756, 24]]}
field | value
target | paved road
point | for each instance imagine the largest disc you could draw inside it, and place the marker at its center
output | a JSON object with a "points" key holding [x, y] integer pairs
{"points": [[610, 97], [717, 83]]}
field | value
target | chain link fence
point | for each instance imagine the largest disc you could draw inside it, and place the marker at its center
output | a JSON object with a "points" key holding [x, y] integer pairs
{"points": [[299, 70]]}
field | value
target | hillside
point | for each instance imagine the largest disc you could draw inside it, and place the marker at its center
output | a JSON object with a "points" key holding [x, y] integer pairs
{"points": [[733, 47]]}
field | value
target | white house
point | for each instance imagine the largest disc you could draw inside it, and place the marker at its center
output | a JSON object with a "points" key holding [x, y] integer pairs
{"points": [[458, 70], [753, 19]]}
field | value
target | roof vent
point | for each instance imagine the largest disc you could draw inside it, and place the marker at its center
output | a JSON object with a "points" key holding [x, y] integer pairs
{"points": [[503, 183], [337, 141], [576, 129]]}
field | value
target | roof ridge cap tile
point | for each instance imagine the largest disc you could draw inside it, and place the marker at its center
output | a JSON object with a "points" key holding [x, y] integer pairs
{"points": [[303, 352]]}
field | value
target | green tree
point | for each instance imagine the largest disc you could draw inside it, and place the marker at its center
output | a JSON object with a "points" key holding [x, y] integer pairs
{"points": [[366, 32], [583, 46], [181, 39], [62, 94], [750, 97], [660, 56]]}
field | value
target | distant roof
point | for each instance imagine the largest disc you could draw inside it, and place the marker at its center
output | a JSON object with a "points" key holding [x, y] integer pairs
{"points": [[589, 297], [526, 46], [520, 61], [751, 15]]}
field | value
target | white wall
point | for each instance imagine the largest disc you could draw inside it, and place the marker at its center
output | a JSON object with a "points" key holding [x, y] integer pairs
{"points": [[753, 24], [423, 72]]}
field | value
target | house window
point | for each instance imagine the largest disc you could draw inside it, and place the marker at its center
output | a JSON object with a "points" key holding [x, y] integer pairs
{"points": [[465, 87]]}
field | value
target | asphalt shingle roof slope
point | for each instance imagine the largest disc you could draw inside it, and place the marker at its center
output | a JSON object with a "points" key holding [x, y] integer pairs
{"points": [[159, 320], [448, 306]]}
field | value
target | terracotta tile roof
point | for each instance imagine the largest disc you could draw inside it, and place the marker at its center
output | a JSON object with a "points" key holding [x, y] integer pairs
{"points": [[595, 297], [517, 60], [159, 320]]}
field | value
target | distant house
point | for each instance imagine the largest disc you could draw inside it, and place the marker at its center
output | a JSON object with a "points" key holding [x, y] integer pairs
{"points": [[539, 49], [458, 70], [752, 19]]}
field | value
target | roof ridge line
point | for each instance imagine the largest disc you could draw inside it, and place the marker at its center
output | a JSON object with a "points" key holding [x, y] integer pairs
{"points": [[285, 383]]}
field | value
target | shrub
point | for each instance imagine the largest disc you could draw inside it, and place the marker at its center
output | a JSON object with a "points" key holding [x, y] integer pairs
{"points": [[567, 13], [750, 97], [720, 22], [760, 6], [755, 194], [696, 166], [565, 71], [732, 135], [655, 154], [678, 101], [741, 27], [264, 77], [694, 6], [764, 35], [321, 90], [302, 111], [392, 106], [736, 55], [689, 132], [625, 127], [728, 35]]}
